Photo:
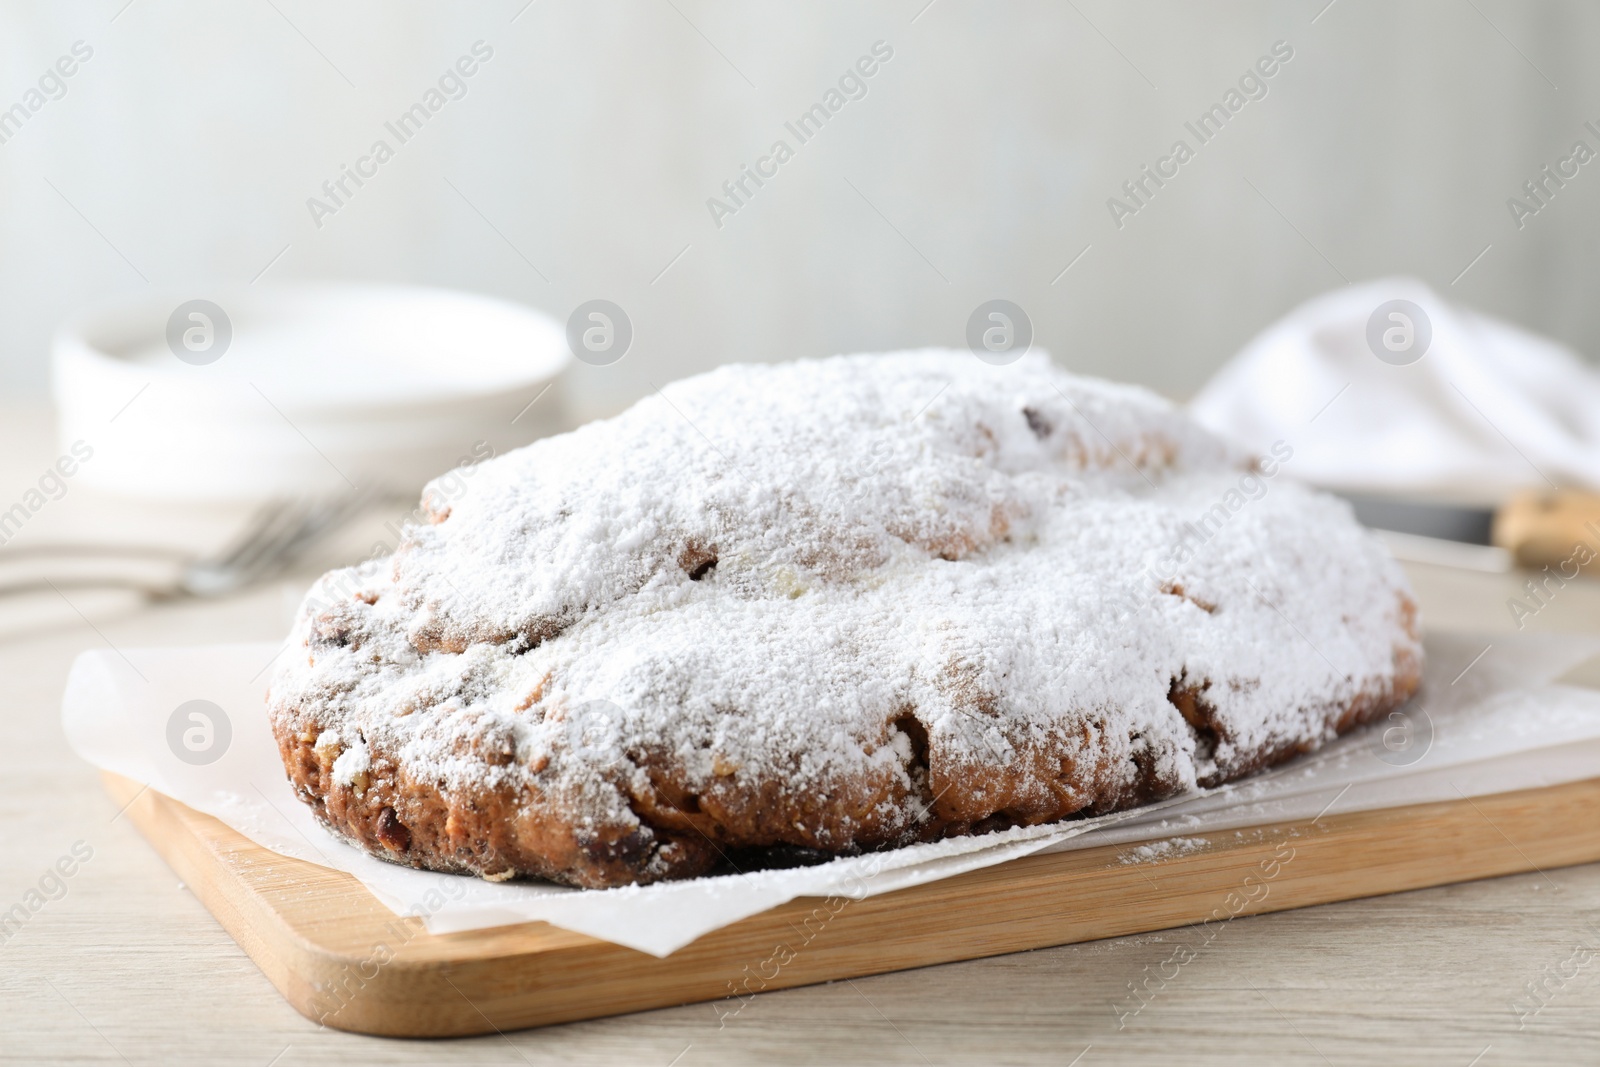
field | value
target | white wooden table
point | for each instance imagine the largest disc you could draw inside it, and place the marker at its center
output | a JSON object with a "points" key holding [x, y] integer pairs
{"points": [[126, 966]]}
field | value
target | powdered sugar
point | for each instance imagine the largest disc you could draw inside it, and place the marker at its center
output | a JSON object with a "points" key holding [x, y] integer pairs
{"points": [[758, 575], [351, 764], [1171, 848]]}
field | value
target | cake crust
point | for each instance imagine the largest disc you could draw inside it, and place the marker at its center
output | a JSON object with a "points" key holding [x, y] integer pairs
{"points": [[781, 613]]}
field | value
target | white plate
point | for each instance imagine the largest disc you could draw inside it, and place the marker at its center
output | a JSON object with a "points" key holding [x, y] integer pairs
{"points": [[317, 386]]}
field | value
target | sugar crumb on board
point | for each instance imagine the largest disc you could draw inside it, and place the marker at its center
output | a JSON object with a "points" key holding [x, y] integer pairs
{"points": [[1171, 848]]}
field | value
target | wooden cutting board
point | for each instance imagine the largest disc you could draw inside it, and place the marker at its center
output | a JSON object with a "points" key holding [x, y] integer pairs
{"points": [[343, 959]]}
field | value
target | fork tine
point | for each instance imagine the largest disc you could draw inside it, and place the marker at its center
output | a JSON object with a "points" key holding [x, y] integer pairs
{"points": [[290, 522], [280, 531], [314, 519], [262, 526]]}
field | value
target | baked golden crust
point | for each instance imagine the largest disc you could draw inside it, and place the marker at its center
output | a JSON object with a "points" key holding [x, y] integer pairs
{"points": [[511, 830]]}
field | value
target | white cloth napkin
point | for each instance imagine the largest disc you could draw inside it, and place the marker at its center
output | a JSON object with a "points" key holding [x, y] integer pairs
{"points": [[1486, 409], [1488, 721]]}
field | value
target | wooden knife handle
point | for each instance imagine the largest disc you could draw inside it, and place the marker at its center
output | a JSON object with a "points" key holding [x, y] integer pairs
{"points": [[1558, 528]]}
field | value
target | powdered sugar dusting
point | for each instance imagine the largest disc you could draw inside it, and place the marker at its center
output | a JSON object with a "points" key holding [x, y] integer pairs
{"points": [[830, 587]]}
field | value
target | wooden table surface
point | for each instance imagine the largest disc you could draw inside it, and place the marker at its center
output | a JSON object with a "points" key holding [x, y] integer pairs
{"points": [[122, 965]]}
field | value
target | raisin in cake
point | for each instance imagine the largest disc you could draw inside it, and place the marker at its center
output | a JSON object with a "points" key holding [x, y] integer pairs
{"points": [[831, 606]]}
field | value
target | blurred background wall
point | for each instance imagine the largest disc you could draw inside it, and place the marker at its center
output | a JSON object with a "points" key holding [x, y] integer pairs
{"points": [[580, 159]]}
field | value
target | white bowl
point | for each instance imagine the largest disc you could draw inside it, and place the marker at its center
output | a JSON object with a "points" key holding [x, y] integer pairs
{"points": [[321, 387]]}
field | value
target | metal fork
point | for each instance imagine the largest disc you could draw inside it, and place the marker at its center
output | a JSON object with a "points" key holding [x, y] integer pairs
{"points": [[277, 534]]}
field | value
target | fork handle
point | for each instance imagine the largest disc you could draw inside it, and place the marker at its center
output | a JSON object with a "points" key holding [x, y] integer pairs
{"points": [[45, 585], [86, 549]]}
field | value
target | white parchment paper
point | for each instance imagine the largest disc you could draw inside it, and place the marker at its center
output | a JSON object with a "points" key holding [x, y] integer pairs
{"points": [[1489, 719]]}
